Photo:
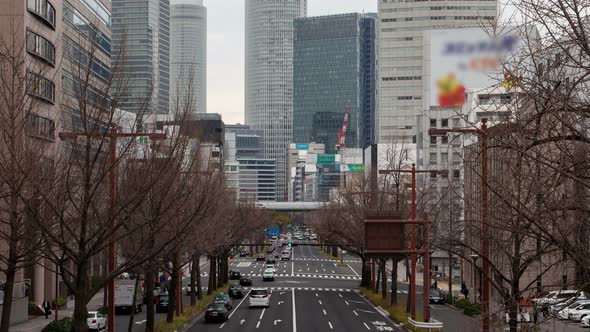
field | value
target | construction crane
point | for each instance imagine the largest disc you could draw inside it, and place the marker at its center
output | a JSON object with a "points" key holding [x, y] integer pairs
{"points": [[341, 133]]}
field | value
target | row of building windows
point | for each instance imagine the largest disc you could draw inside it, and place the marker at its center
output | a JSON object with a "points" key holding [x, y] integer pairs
{"points": [[99, 10], [40, 47], [410, 9], [40, 87], [77, 21], [409, 98], [43, 9], [402, 78], [39, 126], [83, 58], [436, 18]]}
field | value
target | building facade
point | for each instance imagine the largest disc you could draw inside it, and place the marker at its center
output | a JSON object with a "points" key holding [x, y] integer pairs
{"points": [[188, 55], [334, 69], [269, 77], [400, 82], [141, 53], [302, 171]]}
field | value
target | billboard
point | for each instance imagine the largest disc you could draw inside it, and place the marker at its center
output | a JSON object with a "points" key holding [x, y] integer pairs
{"points": [[462, 59]]}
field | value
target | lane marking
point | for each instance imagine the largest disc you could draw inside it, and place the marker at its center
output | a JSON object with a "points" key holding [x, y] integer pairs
{"points": [[346, 302], [294, 315], [354, 311], [235, 309], [371, 312], [320, 301], [367, 326], [292, 269], [222, 325], [340, 295], [324, 310], [258, 324], [331, 327], [262, 314], [353, 270], [356, 301], [316, 295]]}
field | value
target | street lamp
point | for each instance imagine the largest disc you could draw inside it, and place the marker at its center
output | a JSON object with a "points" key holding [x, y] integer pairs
{"points": [[113, 134], [474, 258], [485, 240]]}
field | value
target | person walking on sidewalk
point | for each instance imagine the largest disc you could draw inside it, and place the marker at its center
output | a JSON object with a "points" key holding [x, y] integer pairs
{"points": [[46, 308]]}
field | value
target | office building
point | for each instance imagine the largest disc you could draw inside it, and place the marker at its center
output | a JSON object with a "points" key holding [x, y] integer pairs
{"points": [[141, 53], [302, 171], [334, 69], [400, 82], [188, 55], [269, 77]]}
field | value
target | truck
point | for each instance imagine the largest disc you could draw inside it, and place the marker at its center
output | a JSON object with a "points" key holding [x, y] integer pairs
{"points": [[124, 290]]}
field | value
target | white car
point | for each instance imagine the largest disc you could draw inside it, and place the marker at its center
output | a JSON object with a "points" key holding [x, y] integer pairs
{"points": [[259, 297], [580, 312], [96, 321], [270, 267], [564, 313], [560, 296], [268, 274], [586, 321]]}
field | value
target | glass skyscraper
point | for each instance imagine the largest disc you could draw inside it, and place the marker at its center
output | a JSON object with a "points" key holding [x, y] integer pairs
{"points": [[269, 77], [334, 67], [141, 52]]}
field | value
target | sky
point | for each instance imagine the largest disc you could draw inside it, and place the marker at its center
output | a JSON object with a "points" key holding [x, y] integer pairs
{"points": [[225, 49]]}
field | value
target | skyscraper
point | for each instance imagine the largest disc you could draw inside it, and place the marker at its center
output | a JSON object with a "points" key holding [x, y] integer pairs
{"points": [[400, 73], [141, 47], [334, 67], [269, 77], [188, 54]]}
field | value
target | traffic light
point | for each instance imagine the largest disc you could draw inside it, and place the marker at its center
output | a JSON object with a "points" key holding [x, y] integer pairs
{"points": [[266, 229], [289, 244]]}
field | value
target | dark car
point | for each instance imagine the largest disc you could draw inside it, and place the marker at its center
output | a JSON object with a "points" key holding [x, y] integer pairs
{"points": [[270, 250], [216, 312], [436, 296], [243, 254], [277, 255], [271, 260], [260, 258], [223, 298], [162, 303], [246, 281], [236, 291], [234, 275]]}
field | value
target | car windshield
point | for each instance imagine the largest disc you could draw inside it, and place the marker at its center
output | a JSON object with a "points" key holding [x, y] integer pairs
{"points": [[163, 298], [91, 315], [258, 292], [434, 293], [216, 306], [220, 297]]}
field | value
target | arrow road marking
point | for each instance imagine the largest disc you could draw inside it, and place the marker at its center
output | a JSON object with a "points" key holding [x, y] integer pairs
{"points": [[140, 322], [280, 302], [242, 321], [277, 321]]}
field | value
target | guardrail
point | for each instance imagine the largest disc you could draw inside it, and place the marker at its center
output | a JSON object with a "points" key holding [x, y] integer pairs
{"points": [[432, 324]]}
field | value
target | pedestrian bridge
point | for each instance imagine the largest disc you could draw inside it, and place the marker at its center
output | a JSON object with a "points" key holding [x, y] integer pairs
{"points": [[291, 206]]}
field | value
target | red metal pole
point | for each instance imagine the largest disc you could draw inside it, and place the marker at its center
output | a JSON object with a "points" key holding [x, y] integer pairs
{"points": [[413, 246], [485, 243], [426, 284], [111, 249]]}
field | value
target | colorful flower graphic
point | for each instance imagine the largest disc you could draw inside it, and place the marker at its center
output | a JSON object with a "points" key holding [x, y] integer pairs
{"points": [[450, 91]]}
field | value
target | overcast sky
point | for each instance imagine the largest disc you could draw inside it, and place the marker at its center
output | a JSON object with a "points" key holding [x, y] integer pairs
{"points": [[225, 49]]}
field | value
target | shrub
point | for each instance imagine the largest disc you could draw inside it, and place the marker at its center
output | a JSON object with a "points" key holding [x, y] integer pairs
{"points": [[102, 311], [58, 302], [62, 325], [34, 309]]}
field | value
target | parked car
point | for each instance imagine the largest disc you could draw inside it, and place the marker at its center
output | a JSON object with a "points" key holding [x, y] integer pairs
{"points": [[561, 296], [259, 297], [564, 313], [235, 275], [579, 312], [585, 321], [216, 312], [268, 274], [162, 302], [96, 321], [436, 296], [223, 298], [246, 281], [260, 258], [236, 291]]}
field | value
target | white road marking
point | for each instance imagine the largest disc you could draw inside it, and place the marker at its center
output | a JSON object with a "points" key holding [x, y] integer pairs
{"points": [[242, 321], [340, 295], [294, 315], [356, 301], [367, 326], [320, 301], [346, 302], [355, 312], [371, 312], [262, 314], [277, 321], [353, 270], [316, 295], [140, 322], [258, 324], [324, 310], [222, 325], [331, 327], [235, 309]]}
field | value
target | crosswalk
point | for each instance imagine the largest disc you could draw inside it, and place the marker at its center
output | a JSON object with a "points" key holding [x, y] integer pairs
{"points": [[302, 275], [318, 289]]}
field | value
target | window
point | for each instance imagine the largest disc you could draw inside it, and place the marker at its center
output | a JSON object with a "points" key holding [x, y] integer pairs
{"points": [[433, 158], [40, 127], [444, 123], [44, 10], [445, 140], [444, 157], [40, 87], [432, 123], [456, 123], [99, 10], [40, 47], [456, 173], [433, 175], [433, 140]]}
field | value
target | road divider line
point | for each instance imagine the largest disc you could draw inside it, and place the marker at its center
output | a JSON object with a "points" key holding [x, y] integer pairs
{"points": [[346, 302], [331, 327], [222, 325], [324, 310], [354, 311], [258, 324], [320, 301], [353, 270], [262, 314], [235, 309], [367, 326], [294, 313]]}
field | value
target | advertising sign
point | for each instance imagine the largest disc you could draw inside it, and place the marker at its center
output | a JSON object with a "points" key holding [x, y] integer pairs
{"points": [[301, 146], [461, 59], [326, 158]]}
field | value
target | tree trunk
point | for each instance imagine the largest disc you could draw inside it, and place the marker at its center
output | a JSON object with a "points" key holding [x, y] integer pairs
{"points": [[82, 297], [149, 289], [376, 288], [8, 288], [408, 297], [195, 263], [172, 290], [384, 279], [394, 282], [212, 275], [198, 277], [335, 251], [365, 273], [132, 315]]}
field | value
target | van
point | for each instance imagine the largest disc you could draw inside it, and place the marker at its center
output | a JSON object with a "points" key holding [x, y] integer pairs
{"points": [[259, 297]]}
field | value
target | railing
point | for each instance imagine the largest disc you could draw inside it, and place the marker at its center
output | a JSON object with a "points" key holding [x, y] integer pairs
{"points": [[433, 324]]}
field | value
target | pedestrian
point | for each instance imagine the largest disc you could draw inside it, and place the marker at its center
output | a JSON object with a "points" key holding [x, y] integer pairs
{"points": [[435, 285], [46, 308], [535, 313]]}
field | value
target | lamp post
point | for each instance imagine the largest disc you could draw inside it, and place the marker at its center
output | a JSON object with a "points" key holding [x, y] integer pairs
{"points": [[474, 258], [485, 241], [113, 134], [426, 274]]}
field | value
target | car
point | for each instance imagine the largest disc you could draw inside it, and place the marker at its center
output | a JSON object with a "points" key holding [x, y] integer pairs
{"points": [[270, 250], [235, 275], [259, 297], [268, 274], [246, 281], [236, 291], [564, 312], [270, 267], [260, 258], [271, 260], [585, 321], [243, 254], [579, 313], [436, 296], [277, 255], [188, 289], [216, 312], [96, 321], [223, 298], [559, 296], [162, 302]]}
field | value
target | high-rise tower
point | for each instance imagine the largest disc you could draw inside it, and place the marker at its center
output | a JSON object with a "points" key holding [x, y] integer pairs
{"points": [[269, 77], [188, 54]]}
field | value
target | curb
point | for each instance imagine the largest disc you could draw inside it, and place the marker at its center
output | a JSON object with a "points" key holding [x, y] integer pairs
{"points": [[191, 323], [383, 312]]}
